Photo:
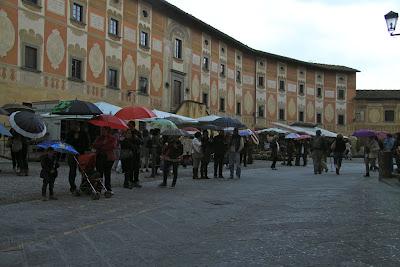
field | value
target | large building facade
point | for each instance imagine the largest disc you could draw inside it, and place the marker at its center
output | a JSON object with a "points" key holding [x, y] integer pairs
{"points": [[377, 109], [149, 52]]}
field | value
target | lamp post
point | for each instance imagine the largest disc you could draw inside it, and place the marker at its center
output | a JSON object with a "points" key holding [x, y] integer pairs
{"points": [[391, 21]]}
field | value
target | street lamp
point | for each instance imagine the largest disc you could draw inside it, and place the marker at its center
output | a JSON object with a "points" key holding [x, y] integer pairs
{"points": [[391, 21]]}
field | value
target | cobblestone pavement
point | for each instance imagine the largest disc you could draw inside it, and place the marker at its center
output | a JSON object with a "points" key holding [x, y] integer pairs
{"points": [[288, 217]]}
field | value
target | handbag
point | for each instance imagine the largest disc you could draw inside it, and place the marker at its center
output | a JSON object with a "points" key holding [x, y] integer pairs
{"points": [[126, 154]]}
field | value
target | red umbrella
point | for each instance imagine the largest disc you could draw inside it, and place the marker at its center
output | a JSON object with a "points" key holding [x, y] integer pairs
{"points": [[109, 121], [135, 113]]}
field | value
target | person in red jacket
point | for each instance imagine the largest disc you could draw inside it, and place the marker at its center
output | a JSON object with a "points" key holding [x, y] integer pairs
{"points": [[105, 145]]}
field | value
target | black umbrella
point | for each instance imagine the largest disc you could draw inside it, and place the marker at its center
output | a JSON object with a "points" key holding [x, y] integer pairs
{"points": [[4, 112], [10, 108], [227, 122], [28, 124], [76, 107]]}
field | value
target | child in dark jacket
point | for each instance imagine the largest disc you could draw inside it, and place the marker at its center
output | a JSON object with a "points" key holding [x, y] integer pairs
{"points": [[49, 173]]}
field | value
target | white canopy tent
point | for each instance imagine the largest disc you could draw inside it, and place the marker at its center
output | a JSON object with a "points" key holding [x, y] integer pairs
{"points": [[107, 108], [162, 115], [272, 130], [208, 118], [307, 130]]}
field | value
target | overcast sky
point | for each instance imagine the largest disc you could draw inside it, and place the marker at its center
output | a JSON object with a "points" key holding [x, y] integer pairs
{"points": [[342, 32]]}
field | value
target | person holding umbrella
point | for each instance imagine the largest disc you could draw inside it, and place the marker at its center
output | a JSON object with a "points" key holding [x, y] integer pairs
{"points": [[105, 145], [236, 145], [171, 155], [49, 173]]}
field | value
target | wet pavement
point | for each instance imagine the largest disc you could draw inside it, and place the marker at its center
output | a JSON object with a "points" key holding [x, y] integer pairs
{"points": [[288, 217]]}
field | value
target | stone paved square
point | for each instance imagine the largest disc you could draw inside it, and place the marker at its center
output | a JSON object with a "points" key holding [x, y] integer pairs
{"points": [[288, 217]]}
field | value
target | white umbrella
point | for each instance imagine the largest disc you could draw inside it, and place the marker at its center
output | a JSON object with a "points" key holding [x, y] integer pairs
{"points": [[107, 108]]}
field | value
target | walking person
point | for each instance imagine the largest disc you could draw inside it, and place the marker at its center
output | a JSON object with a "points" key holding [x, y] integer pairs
{"points": [[81, 144], [318, 147], [196, 154], [105, 145], [338, 148], [274, 146], [49, 173], [14, 154], [206, 151], [171, 155], [236, 145], [219, 147]]}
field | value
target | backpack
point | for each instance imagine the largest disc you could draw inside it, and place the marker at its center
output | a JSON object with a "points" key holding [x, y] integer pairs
{"points": [[16, 145]]}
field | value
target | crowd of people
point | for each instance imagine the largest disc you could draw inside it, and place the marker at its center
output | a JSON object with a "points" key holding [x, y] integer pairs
{"points": [[148, 151], [135, 151]]}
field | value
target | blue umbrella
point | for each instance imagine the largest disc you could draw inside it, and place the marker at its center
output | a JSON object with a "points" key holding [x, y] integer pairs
{"points": [[59, 147], [4, 131]]}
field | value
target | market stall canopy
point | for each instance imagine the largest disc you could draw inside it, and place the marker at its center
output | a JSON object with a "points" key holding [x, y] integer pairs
{"points": [[4, 112], [208, 118], [107, 108], [163, 115], [305, 130], [10, 108], [272, 130]]}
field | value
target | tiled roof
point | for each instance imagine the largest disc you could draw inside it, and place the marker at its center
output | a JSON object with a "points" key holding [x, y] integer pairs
{"points": [[378, 94], [178, 13]]}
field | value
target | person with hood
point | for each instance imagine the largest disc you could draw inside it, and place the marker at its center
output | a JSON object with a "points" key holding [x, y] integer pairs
{"points": [[338, 148], [196, 154], [236, 145]]}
